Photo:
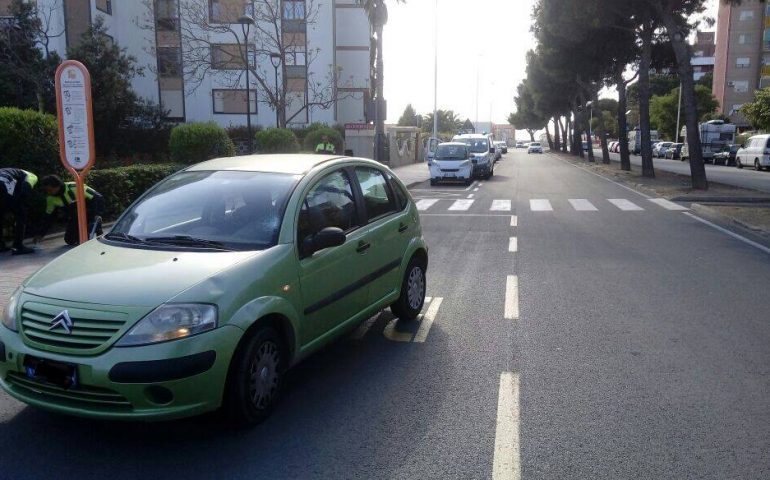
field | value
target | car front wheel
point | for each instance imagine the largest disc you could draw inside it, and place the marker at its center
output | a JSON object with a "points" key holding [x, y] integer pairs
{"points": [[757, 166], [738, 163], [413, 287], [256, 374]]}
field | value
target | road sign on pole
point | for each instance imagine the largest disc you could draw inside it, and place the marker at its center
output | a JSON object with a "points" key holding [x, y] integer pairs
{"points": [[76, 129]]}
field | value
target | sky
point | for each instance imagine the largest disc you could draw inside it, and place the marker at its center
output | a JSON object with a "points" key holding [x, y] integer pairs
{"points": [[487, 39]]}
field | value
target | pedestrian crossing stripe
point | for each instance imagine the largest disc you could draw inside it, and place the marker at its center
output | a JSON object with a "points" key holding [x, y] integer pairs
{"points": [[542, 205], [668, 204], [461, 205], [582, 205], [501, 206], [625, 205]]}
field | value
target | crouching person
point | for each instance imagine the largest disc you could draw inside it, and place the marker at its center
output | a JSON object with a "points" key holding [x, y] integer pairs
{"points": [[62, 200]]}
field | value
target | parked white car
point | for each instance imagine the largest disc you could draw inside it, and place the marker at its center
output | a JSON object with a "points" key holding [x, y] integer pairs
{"points": [[452, 162], [535, 147], [659, 150], [756, 151]]}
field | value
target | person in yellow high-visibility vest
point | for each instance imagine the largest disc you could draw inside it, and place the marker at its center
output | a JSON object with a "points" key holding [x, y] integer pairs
{"points": [[325, 147], [15, 193], [62, 196]]}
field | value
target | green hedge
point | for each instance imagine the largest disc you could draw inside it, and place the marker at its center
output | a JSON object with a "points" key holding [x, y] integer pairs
{"points": [[29, 140], [314, 137], [196, 142], [122, 185], [276, 140]]}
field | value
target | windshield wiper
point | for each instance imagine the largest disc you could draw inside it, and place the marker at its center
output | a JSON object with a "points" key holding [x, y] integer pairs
{"points": [[188, 241], [123, 237]]}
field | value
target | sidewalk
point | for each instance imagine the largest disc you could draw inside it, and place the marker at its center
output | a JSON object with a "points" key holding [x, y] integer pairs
{"points": [[413, 174]]}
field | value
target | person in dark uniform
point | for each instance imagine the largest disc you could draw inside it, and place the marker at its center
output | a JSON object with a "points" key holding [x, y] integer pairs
{"points": [[15, 193], [61, 196]]}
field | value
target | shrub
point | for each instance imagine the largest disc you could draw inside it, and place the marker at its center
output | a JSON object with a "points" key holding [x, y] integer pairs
{"points": [[314, 138], [196, 142], [29, 140], [122, 185], [276, 140]]}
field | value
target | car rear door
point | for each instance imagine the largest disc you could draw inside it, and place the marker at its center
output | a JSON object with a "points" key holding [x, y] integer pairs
{"points": [[389, 228], [333, 290]]}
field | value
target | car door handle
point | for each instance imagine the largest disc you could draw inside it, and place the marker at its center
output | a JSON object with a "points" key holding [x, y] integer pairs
{"points": [[403, 227], [363, 246]]}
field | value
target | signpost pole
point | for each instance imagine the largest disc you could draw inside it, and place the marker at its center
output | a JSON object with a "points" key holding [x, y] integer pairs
{"points": [[76, 130]]}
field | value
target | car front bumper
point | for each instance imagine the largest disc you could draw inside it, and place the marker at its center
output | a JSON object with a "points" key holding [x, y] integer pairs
{"points": [[163, 381]]}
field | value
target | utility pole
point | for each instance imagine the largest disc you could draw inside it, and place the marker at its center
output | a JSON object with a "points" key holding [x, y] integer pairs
{"points": [[435, 73], [678, 114]]}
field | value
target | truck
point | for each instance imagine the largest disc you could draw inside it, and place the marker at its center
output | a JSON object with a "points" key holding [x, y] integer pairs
{"points": [[635, 140], [714, 136]]}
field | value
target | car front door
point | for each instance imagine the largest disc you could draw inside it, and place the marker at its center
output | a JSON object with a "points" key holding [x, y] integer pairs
{"points": [[330, 279], [389, 230]]}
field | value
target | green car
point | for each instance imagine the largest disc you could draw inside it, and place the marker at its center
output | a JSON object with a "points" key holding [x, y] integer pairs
{"points": [[211, 285]]}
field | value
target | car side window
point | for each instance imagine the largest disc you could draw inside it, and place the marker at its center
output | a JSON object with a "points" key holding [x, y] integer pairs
{"points": [[398, 190], [378, 199], [330, 203]]}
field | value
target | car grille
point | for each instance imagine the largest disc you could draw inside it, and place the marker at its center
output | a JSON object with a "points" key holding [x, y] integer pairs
{"points": [[84, 396], [450, 170], [91, 330]]}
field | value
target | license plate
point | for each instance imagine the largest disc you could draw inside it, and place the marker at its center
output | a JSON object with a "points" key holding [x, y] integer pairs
{"points": [[64, 375]]}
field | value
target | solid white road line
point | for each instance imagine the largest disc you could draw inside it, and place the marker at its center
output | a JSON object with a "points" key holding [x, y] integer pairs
{"points": [[471, 195], [668, 205], [512, 298], [602, 176], [463, 215], [513, 244], [540, 205], [461, 205], [501, 206], [426, 203], [427, 320], [361, 330], [475, 189], [728, 232], [625, 205], [514, 221], [582, 205], [506, 464]]}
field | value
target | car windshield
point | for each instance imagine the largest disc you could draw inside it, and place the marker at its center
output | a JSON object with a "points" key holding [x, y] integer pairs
{"points": [[229, 210], [476, 145], [452, 152], [534, 144]]}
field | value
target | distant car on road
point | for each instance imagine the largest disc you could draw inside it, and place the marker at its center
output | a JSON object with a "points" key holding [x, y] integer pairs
{"points": [[755, 152], [674, 151], [452, 162], [727, 156], [520, 145], [659, 150], [535, 147], [503, 146]]}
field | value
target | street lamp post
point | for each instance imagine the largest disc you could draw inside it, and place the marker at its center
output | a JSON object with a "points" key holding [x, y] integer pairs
{"points": [[435, 73], [246, 22], [275, 59]]}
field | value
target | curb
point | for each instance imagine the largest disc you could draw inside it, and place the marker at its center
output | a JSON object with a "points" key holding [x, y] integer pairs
{"points": [[710, 212], [706, 199]]}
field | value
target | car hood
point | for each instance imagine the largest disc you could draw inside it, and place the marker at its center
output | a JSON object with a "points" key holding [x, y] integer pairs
{"points": [[111, 275]]}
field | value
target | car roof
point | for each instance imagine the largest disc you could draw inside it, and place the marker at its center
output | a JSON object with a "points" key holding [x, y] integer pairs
{"points": [[456, 144], [294, 164], [472, 135]]}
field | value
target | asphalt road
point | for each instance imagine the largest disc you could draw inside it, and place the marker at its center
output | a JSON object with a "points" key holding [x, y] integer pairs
{"points": [[746, 177], [572, 337]]}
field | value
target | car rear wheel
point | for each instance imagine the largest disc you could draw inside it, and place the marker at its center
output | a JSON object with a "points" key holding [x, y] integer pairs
{"points": [[413, 287], [256, 375], [757, 166], [738, 163]]}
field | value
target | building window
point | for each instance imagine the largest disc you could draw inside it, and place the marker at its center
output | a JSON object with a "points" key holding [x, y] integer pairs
{"points": [[104, 6], [227, 57], [167, 15], [736, 109], [743, 62], [169, 62], [747, 15], [234, 101], [744, 38], [229, 11], [741, 86], [293, 9]]}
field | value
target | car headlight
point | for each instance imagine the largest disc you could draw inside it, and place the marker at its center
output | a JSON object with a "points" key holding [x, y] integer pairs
{"points": [[171, 322], [9, 312]]}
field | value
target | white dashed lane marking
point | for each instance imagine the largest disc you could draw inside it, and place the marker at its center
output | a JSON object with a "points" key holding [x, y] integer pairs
{"points": [[582, 205], [625, 205], [501, 206], [668, 205], [426, 203], [506, 464], [540, 205], [461, 205], [514, 221], [512, 298], [513, 244]]}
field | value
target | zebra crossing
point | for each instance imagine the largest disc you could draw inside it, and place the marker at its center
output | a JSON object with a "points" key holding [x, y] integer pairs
{"points": [[429, 205]]}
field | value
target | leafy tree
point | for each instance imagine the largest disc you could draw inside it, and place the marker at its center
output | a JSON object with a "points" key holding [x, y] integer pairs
{"points": [[448, 121], [115, 103], [758, 111], [409, 118], [526, 116], [664, 109]]}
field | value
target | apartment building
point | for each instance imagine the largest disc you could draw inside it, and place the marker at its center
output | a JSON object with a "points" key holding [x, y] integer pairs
{"points": [[742, 55], [190, 53], [703, 58]]}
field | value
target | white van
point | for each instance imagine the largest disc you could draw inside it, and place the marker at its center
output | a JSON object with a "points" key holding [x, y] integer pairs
{"points": [[756, 152], [482, 154]]}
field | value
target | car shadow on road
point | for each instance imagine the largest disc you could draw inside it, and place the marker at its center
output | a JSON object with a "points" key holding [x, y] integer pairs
{"points": [[344, 412]]}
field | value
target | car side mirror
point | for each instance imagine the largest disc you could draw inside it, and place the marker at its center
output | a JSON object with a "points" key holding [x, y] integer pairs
{"points": [[475, 161], [327, 238], [492, 150]]}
